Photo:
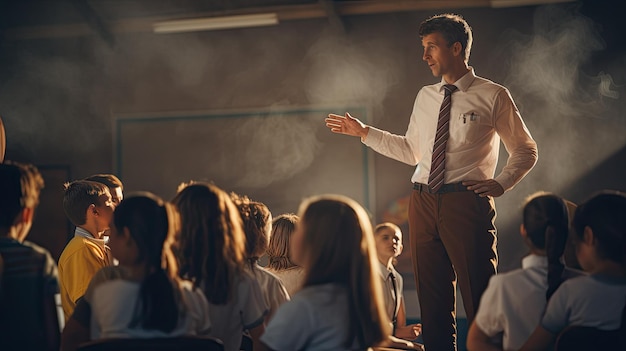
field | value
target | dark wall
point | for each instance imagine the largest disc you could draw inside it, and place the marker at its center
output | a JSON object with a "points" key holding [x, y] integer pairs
{"points": [[59, 97]]}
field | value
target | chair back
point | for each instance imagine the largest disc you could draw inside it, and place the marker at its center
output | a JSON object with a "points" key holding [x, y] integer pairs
{"points": [[574, 338], [180, 343]]}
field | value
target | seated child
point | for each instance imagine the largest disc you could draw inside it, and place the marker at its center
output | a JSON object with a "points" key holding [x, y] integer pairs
{"points": [[599, 299], [257, 225], [29, 319], [501, 320], [388, 238], [89, 207], [212, 254], [278, 255]]}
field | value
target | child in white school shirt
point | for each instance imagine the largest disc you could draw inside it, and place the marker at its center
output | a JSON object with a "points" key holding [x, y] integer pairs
{"points": [[388, 238]]}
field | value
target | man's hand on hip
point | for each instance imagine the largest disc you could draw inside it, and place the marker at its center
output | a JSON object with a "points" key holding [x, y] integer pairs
{"points": [[484, 188]]}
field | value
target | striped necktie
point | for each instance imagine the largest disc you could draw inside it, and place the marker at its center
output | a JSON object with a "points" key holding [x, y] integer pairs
{"points": [[438, 163]]}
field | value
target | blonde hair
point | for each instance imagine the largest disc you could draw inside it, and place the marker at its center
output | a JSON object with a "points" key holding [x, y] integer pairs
{"points": [[389, 225], [283, 227], [340, 249]]}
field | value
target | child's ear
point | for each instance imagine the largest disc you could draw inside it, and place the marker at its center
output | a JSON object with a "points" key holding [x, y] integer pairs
{"points": [[91, 210], [588, 236], [400, 247]]}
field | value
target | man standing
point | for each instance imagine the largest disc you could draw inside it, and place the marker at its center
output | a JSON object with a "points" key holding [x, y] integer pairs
{"points": [[453, 137]]}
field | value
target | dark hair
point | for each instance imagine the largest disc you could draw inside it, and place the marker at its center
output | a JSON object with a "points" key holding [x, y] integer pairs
{"points": [[78, 196], [212, 242], [605, 214], [256, 217], [283, 227], [453, 28], [152, 224], [340, 249], [546, 221], [20, 185], [110, 180]]}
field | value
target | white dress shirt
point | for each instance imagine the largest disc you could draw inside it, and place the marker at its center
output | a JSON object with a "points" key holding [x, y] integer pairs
{"points": [[482, 113], [392, 305]]}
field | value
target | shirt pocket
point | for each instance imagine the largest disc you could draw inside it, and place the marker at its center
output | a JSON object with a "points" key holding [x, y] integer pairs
{"points": [[468, 128]]}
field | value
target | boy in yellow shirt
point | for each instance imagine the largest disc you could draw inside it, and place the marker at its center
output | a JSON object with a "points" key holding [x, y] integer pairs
{"points": [[89, 207]]}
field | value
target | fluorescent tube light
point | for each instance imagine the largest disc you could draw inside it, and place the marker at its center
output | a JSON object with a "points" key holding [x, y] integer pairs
{"points": [[215, 23], [515, 3]]}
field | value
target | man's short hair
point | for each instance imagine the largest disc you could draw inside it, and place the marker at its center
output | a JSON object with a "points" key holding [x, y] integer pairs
{"points": [[78, 196], [20, 186], [453, 28], [110, 180]]}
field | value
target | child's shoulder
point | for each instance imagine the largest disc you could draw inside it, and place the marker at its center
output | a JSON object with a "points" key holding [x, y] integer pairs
{"points": [[268, 274], [83, 246], [517, 275]]}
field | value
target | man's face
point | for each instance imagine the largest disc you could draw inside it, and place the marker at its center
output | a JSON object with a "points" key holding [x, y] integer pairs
{"points": [[437, 54]]}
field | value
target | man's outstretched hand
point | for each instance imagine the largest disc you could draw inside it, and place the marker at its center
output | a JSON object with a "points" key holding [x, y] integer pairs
{"points": [[346, 125]]}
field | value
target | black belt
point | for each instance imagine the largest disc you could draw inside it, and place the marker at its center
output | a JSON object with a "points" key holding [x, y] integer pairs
{"points": [[446, 188]]}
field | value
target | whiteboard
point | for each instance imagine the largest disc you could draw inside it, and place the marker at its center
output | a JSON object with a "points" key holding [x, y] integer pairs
{"points": [[278, 157]]}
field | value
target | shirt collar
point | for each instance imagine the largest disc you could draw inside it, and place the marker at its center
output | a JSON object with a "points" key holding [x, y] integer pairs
{"points": [[533, 260], [462, 83], [82, 232], [383, 270]]}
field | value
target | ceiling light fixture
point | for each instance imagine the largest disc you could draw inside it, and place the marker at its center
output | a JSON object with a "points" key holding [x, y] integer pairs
{"points": [[516, 3], [215, 23]]}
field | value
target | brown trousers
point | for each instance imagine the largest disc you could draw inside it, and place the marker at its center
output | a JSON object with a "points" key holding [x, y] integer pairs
{"points": [[452, 238]]}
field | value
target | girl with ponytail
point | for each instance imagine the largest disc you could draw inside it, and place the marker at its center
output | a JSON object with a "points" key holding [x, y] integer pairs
{"points": [[513, 303]]}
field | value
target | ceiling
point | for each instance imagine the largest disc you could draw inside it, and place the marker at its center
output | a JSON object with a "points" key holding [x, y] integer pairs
{"points": [[27, 19]]}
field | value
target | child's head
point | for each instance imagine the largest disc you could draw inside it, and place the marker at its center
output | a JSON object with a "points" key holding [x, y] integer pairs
{"points": [[257, 224], [545, 218], [146, 226], [142, 232], [388, 238], [545, 227], [600, 229], [88, 203], [283, 227], [112, 182], [212, 241], [20, 185], [333, 241]]}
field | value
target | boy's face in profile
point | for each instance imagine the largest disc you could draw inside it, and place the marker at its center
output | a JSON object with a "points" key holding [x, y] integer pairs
{"points": [[116, 195], [388, 244], [104, 208]]}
